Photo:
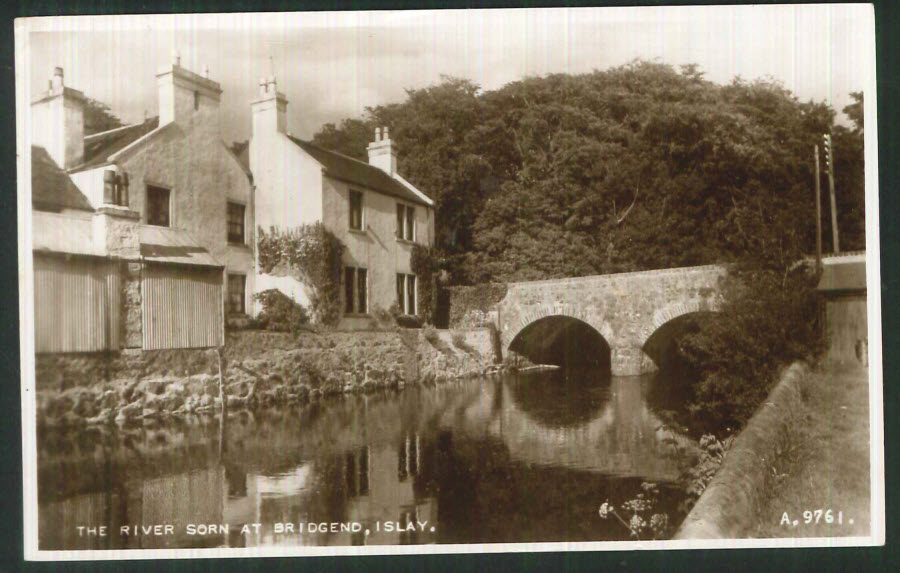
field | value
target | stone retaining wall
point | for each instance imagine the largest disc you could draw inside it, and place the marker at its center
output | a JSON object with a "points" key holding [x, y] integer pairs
{"points": [[729, 505], [261, 369]]}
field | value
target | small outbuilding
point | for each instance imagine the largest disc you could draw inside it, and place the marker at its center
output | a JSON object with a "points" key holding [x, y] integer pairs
{"points": [[843, 290]]}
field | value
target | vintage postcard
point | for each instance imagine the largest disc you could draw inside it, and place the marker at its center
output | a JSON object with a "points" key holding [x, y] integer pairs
{"points": [[344, 283]]}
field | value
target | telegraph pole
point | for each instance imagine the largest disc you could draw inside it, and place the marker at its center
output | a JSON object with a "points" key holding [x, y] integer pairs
{"points": [[829, 167], [818, 212]]}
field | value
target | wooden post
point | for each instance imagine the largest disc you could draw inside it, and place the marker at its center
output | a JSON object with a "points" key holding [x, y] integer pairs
{"points": [[818, 212], [834, 225]]}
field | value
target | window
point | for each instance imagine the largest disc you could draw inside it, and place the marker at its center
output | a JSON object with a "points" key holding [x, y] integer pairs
{"points": [[406, 222], [356, 291], [356, 210], [157, 206], [349, 282], [406, 293], [235, 223], [362, 303], [236, 289], [196, 101]]}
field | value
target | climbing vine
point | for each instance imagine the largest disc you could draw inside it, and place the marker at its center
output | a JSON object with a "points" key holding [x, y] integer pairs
{"points": [[425, 264], [311, 254]]}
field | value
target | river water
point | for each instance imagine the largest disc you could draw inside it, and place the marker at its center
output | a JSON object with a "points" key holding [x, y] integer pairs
{"points": [[522, 458]]}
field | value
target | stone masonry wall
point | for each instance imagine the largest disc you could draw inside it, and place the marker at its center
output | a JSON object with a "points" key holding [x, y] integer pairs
{"points": [[261, 369], [625, 308]]}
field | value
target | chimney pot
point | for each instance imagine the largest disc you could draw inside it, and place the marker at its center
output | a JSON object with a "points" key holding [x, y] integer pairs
{"points": [[206, 71], [386, 136], [56, 82], [176, 58], [377, 134]]}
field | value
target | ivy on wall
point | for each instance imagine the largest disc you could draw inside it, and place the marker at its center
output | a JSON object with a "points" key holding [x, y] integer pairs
{"points": [[425, 264], [311, 254]]}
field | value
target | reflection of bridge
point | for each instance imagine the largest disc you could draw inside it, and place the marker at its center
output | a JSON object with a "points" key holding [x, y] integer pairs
{"points": [[619, 312], [623, 438]]}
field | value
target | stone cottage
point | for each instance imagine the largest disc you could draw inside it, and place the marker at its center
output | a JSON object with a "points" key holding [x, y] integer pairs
{"points": [[139, 233], [376, 213]]}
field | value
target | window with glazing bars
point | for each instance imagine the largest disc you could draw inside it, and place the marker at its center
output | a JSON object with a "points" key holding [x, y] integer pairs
{"points": [[235, 223]]}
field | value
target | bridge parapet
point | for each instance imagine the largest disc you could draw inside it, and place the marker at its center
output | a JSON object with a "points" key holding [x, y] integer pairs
{"points": [[625, 308]]}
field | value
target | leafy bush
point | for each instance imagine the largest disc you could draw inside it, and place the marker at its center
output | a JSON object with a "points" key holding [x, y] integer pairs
{"points": [[769, 319], [311, 254], [409, 321], [280, 313], [459, 341], [431, 335]]}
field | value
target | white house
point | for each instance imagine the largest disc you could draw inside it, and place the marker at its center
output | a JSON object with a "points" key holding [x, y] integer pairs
{"points": [[376, 213]]}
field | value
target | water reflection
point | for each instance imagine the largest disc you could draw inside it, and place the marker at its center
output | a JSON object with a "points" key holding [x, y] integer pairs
{"points": [[527, 458]]}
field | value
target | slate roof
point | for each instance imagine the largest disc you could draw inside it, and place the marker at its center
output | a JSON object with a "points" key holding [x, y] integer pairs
{"points": [[841, 276], [357, 172], [98, 147], [51, 188]]}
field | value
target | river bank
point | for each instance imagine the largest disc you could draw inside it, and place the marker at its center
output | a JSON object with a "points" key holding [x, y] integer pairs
{"points": [[825, 462], [260, 369]]}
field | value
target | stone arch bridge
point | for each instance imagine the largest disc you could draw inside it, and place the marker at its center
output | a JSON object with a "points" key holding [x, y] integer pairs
{"points": [[625, 316]]}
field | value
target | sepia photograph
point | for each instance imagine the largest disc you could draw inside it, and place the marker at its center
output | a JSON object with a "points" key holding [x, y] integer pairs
{"points": [[342, 283]]}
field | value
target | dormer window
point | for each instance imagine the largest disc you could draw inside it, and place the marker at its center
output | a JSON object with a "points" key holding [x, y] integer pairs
{"points": [[158, 206], [406, 222]]}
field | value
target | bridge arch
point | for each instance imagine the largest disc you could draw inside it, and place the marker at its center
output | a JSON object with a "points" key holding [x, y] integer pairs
{"points": [[546, 337], [670, 321]]}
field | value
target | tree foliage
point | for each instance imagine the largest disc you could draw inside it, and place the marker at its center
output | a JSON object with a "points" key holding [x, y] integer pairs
{"points": [[98, 117], [636, 167]]}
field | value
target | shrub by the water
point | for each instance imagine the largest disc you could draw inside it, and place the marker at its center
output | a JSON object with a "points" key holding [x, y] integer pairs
{"points": [[768, 320], [280, 313]]}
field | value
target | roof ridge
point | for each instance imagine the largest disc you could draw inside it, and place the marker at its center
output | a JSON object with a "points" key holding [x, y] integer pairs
{"points": [[122, 128], [319, 147]]}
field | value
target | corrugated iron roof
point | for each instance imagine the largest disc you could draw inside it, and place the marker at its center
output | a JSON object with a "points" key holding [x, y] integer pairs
{"points": [[357, 172], [168, 245], [51, 188], [840, 276]]}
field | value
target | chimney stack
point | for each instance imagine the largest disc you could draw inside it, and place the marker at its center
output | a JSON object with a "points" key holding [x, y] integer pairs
{"points": [[185, 97], [381, 152], [270, 110], [58, 122]]}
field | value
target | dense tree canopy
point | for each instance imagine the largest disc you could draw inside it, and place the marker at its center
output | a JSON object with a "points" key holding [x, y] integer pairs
{"points": [[640, 166]]}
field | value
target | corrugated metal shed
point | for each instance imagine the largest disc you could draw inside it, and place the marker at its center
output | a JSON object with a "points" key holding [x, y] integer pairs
{"points": [[77, 304], [182, 306]]}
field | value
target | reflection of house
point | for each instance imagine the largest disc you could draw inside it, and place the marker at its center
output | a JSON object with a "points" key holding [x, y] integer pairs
{"points": [[843, 287], [376, 213], [134, 228]]}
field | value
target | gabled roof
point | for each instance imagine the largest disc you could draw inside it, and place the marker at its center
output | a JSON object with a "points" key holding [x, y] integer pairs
{"points": [[100, 146], [51, 188], [356, 172]]}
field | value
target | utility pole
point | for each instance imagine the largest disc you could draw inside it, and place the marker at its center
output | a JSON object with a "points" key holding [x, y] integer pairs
{"points": [[818, 212], [829, 167]]}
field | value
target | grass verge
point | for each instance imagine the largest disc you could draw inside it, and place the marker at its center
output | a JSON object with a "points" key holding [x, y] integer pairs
{"points": [[824, 462]]}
